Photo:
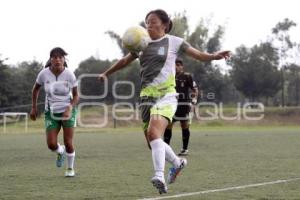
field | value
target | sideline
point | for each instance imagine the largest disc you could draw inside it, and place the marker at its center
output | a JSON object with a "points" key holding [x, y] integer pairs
{"points": [[223, 189]]}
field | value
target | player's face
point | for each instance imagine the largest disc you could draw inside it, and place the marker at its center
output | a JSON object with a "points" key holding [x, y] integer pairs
{"points": [[57, 61], [155, 27], [179, 68]]}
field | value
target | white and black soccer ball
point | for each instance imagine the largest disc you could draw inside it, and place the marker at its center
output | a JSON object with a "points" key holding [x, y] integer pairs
{"points": [[136, 39]]}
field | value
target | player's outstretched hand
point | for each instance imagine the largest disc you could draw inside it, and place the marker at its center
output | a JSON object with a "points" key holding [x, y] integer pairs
{"points": [[222, 54], [102, 77]]}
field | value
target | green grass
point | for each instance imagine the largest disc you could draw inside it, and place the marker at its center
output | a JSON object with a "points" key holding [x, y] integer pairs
{"points": [[117, 165]]}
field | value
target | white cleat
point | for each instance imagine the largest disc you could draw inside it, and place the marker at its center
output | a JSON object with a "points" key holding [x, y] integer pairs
{"points": [[160, 184], [174, 171], [70, 172]]}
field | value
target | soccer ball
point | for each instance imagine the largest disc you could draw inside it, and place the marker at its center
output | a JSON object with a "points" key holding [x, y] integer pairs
{"points": [[135, 39]]}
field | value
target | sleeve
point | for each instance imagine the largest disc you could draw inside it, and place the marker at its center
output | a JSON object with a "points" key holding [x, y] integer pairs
{"points": [[40, 78], [182, 48], [179, 44], [74, 82], [191, 82]]}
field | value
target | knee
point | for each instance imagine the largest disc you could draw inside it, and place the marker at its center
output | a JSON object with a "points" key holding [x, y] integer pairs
{"points": [[52, 146], [69, 147], [151, 135]]}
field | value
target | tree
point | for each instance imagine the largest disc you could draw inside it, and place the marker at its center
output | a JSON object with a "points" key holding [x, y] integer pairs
{"points": [[89, 85], [207, 75], [292, 76], [180, 25], [5, 87], [283, 44], [25, 78], [17, 82], [214, 43], [114, 36], [254, 71]]}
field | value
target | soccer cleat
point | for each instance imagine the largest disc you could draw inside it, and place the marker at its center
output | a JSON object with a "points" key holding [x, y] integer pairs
{"points": [[60, 158], [70, 172], [174, 171], [183, 152], [160, 184]]}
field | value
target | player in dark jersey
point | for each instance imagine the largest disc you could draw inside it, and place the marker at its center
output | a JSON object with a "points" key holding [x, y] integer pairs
{"points": [[188, 94]]}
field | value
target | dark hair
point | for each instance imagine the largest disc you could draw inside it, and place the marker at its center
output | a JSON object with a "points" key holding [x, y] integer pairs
{"points": [[58, 51], [179, 60], [54, 52], [163, 16]]}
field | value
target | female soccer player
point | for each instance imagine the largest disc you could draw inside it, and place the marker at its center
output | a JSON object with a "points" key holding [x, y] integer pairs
{"points": [[158, 94], [60, 86]]}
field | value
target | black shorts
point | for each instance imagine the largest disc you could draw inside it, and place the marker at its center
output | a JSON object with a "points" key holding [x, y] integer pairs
{"points": [[182, 112]]}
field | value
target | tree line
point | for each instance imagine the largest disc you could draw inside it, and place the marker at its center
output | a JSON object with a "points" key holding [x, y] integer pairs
{"points": [[267, 72]]}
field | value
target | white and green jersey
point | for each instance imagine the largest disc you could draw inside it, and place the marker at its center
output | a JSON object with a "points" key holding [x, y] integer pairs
{"points": [[158, 65], [58, 89]]}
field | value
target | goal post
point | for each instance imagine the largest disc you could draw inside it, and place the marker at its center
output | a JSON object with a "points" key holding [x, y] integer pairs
{"points": [[13, 114]]}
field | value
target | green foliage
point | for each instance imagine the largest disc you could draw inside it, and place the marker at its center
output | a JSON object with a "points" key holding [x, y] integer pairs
{"points": [[180, 25], [115, 37], [292, 75], [91, 86], [254, 71], [208, 76], [25, 78], [283, 26], [285, 48], [198, 38], [214, 43], [17, 82], [5, 87], [131, 74], [281, 35]]}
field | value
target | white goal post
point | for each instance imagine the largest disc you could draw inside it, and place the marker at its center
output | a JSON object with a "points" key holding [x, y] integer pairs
{"points": [[5, 114]]}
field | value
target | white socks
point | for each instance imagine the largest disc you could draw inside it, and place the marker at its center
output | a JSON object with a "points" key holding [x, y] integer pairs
{"points": [[60, 149], [70, 156], [70, 160], [171, 157], [158, 156], [161, 151]]}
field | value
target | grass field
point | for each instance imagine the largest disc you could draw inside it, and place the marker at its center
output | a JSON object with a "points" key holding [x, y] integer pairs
{"points": [[117, 165]]}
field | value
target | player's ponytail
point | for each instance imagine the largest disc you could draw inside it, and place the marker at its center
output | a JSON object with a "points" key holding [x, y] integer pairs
{"points": [[169, 27], [48, 63]]}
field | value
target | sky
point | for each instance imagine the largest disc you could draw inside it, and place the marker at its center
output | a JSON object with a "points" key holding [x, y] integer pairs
{"points": [[31, 28]]}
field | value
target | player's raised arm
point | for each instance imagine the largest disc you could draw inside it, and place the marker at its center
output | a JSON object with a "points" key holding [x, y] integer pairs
{"points": [[120, 64], [202, 56]]}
